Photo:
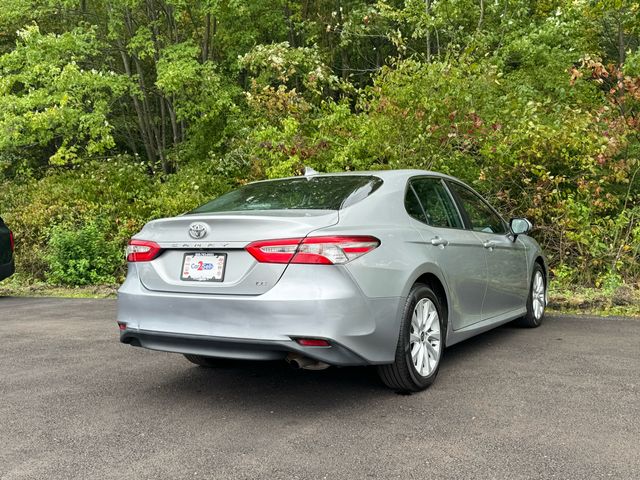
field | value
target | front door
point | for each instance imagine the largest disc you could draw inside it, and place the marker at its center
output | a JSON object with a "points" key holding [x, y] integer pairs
{"points": [[507, 282]]}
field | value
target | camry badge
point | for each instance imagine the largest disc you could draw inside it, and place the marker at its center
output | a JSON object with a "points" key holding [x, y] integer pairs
{"points": [[198, 230]]}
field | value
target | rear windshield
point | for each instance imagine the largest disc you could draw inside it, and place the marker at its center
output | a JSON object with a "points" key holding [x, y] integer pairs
{"points": [[313, 193]]}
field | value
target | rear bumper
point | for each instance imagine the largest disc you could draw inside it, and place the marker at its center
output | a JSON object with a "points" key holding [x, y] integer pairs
{"points": [[309, 301], [7, 270], [238, 348]]}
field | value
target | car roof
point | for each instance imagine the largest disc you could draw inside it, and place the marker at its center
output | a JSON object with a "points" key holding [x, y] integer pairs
{"points": [[383, 174]]}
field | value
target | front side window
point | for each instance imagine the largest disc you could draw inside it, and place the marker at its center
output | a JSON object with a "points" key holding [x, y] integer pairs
{"points": [[300, 193], [481, 216], [437, 205]]}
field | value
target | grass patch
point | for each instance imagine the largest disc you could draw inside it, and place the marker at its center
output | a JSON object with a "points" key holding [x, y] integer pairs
{"points": [[620, 301], [14, 287]]}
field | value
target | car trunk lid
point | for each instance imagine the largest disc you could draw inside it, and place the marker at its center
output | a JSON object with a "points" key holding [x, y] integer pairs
{"points": [[227, 235]]}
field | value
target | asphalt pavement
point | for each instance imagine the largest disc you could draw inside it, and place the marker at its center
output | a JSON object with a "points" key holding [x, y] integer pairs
{"points": [[561, 401]]}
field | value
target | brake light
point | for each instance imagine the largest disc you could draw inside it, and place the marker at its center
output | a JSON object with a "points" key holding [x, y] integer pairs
{"points": [[12, 242], [142, 251], [332, 250]]}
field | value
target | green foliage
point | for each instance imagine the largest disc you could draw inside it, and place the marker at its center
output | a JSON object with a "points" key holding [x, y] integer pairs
{"points": [[114, 113], [115, 197], [81, 256], [279, 65], [202, 97], [51, 102]]}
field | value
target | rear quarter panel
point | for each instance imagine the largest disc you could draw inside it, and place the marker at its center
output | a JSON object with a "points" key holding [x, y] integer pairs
{"points": [[391, 269]]}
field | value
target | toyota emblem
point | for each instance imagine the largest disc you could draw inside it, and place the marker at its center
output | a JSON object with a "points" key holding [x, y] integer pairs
{"points": [[198, 230]]}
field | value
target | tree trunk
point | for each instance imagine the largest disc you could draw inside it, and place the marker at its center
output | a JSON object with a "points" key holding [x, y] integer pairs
{"points": [[144, 132], [206, 39], [148, 117], [427, 6], [621, 42], [163, 122], [344, 57], [213, 36], [481, 19], [174, 123], [291, 34]]}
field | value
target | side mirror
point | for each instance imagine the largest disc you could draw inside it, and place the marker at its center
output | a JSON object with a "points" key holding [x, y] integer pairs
{"points": [[520, 226]]}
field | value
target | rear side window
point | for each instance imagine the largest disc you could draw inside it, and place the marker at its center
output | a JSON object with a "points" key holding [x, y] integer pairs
{"points": [[300, 193], [412, 205], [437, 205]]}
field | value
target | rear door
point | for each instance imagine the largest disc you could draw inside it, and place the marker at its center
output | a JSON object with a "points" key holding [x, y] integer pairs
{"points": [[455, 250], [507, 283], [224, 237]]}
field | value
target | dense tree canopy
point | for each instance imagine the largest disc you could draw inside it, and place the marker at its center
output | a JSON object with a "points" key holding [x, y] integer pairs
{"points": [[116, 111]]}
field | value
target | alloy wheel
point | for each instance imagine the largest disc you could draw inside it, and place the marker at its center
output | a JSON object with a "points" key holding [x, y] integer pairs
{"points": [[538, 295], [424, 338]]}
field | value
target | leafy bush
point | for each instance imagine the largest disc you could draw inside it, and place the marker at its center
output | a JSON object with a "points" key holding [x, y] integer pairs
{"points": [[99, 205], [82, 256]]}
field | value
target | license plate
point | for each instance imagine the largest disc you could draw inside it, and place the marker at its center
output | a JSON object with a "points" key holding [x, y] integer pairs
{"points": [[203, 267]]}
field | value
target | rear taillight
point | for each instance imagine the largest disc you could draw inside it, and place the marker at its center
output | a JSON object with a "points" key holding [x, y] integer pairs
{"points": [[12, 241], [274, 251], [333, 250], [142, 251]]}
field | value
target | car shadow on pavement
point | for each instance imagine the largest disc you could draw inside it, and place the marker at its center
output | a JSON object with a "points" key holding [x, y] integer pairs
{"points": [[479, 346], [274, 385]]}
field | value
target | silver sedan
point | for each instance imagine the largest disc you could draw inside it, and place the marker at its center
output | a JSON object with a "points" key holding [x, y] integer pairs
{"points": [[382, 268]]}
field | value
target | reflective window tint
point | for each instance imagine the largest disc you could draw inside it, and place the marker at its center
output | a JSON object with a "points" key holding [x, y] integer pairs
{"points": [[481, 216], [331, 192], [436, 202], [412, 205]]}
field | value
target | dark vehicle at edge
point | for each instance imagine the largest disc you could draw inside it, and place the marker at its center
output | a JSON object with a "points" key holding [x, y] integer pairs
{"points": [[7, 267]]}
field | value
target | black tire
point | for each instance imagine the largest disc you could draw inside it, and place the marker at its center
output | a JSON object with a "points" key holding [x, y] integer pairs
{"points": [[402, 375], [207, 362], [530, 320]]}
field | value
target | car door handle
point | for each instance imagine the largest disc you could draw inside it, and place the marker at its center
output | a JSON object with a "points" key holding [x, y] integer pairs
{"points": [[439, 242], [489, 244]]}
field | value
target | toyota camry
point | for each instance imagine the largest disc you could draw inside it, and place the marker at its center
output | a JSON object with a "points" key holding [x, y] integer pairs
{"points": [[383, 268]]}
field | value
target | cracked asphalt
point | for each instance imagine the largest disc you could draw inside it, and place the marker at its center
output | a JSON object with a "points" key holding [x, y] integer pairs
{"points": [[561, 401]]}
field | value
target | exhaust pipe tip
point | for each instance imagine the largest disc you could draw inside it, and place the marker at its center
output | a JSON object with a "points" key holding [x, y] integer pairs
{"points": [[299, 362]]}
